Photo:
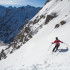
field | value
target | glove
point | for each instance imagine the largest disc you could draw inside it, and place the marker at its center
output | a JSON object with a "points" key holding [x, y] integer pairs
{"points": [[62, 42], [52, 42]]}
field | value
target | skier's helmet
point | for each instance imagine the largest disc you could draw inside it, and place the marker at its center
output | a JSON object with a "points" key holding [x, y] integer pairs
{"points": [[57, 38]]}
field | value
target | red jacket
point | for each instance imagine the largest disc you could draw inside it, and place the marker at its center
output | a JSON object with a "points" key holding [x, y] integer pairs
{"points": [[57, 42]]}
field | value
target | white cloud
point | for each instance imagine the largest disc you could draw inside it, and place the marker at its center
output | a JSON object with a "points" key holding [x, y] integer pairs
{"points": [[19, 2], [5, 2], [10, 2]]}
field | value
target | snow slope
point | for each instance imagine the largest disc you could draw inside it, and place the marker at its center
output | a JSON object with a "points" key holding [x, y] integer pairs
{"points": [[37, 54]]}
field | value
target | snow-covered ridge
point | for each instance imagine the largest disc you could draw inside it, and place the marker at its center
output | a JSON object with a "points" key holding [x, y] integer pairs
{"points": [[35, 54]]}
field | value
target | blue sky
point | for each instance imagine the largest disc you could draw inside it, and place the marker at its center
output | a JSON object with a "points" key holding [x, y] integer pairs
{"points": [[37, 3]]}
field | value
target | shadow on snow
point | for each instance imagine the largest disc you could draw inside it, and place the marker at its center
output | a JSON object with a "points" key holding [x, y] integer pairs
{"points": [[63, 50]]}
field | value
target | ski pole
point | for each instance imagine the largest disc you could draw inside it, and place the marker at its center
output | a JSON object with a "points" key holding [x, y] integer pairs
{"points": [[49, 47], [66, 44]]}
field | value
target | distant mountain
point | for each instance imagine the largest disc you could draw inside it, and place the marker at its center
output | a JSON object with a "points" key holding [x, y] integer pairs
{"points": [[12, 19]]}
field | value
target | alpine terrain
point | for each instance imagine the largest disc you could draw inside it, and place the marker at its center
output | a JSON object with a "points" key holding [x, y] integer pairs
{"points": [[34, 41], [12, 19]]}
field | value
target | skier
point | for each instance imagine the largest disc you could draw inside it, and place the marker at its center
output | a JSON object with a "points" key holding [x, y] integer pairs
{"points": [[57, 44]]}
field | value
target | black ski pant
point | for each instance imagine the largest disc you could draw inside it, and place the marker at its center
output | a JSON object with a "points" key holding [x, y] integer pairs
{"points": [[56, 48]]}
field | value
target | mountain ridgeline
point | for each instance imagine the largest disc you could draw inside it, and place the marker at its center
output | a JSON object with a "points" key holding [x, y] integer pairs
{"points": [[12, 19]]}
